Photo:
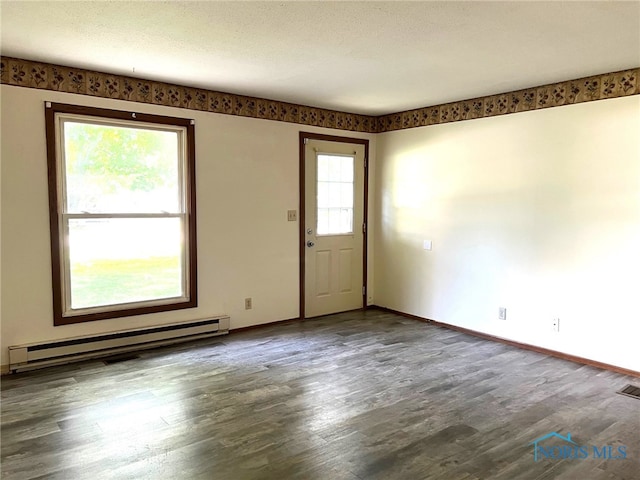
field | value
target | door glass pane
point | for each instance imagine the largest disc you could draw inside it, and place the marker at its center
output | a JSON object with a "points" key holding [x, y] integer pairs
{"points": [[112, 169], [323, 194], [346, 195], [335, 176], [123, 260], [334, 194]]}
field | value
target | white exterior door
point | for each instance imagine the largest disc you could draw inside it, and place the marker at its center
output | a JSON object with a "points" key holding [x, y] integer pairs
{"points": [[334, 227]]}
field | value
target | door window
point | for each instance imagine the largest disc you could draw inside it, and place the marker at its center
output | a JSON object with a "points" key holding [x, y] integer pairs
{"points": [[334, 194]]}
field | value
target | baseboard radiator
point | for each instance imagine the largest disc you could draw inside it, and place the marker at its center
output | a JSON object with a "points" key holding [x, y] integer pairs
{"points": [[37, 355]]}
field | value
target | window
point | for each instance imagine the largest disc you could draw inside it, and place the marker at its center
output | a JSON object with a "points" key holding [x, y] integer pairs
{"points": [[335, 194], [122, 206]]}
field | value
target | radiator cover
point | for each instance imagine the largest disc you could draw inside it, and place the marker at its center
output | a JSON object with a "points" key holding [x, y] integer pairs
{"points": [[36, 355]]}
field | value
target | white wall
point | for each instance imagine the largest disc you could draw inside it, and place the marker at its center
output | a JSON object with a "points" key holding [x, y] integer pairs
{"points": [[247, 179], [538, 212]]}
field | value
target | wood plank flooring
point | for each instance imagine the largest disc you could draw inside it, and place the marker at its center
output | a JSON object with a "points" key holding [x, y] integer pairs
{"points": [[361, 395]]}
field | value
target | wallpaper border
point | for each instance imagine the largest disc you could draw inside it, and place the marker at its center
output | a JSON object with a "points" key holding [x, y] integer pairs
{"points": [[45, 76], [587, 89]]}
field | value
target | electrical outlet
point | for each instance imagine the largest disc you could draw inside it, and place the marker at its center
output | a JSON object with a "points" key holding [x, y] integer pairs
{"points": [[555, 324], [502, 313], [292, 215], [247, 304]]}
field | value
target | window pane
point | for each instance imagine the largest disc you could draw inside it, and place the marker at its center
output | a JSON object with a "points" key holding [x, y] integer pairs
{"points": [[335, 168], [335, 194], [346, 169], [335, 165], [346, 220], [334, 220], [346, 195], [116, 261], [323, 221], [323, 194], [323, 168], [112, 169]]}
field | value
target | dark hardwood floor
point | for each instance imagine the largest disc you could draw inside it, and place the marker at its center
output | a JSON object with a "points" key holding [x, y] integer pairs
{"points": [[361, 395]]}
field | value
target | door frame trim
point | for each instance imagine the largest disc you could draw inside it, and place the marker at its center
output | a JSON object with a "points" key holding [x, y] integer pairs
{"points": [[301, 217]]}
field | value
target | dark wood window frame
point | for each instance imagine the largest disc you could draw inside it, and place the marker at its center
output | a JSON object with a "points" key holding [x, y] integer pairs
{"points": [[55, 209]]}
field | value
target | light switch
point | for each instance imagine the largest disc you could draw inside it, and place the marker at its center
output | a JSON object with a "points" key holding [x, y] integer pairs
{"points": [[426, 244], [292, 215]]}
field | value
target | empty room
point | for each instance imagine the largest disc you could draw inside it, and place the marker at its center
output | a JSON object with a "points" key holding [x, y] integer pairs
{"points": [[320, 240]]}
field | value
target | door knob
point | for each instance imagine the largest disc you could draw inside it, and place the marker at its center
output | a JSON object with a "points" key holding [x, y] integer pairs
{"points": [[310, 243]]}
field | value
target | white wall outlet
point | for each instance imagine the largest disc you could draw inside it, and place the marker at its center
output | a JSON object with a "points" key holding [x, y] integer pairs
{"points": [[502, 313], [427, 244], [247, 304], [555, 325], [292, 215]]}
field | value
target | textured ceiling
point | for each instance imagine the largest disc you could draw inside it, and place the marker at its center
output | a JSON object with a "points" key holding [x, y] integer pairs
{"points": [[360, 57]]}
